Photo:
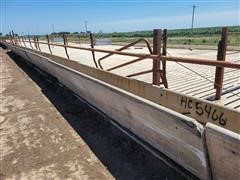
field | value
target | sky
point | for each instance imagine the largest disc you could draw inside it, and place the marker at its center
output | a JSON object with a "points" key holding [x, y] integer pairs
{"points": [[46, 16]]}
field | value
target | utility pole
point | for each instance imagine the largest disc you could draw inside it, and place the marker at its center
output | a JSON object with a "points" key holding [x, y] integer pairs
{"points": [[193, 12], [85, 22]]}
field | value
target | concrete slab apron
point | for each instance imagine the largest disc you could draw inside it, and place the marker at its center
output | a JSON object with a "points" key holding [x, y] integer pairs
{"points": [[36, 141]]}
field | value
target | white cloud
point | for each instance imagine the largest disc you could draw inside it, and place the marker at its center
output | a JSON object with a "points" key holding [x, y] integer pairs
{"points": [[224, 18]]}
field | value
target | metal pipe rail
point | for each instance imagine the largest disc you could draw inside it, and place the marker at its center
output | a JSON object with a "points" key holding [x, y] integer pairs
{"points": [[208, 62], [125, 64], [125, 47], [130, 62], [155, 55], [93, 53]]}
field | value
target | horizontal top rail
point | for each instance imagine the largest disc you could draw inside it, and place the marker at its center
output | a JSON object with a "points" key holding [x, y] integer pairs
{"points": [[199, 61]]}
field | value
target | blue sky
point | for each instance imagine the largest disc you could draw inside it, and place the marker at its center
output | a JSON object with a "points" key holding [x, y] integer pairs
{"points": [[38, 16]]}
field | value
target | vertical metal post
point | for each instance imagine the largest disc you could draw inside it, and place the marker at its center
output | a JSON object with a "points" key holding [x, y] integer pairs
{"points": [[14, 40], [19, 40], [164, 53], [65, 44], [92, 46], [23, 41], [35, 43], [157, 34], [38, 43], [10, 37], [30, 41], [221, 55], [66, 39], [49, 44]]}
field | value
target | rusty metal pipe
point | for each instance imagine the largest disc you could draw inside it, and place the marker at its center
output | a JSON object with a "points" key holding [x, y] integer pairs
{"points": [[14, 40], [23, 41], [19, 40], [10, 37], [65, 44], [35, 43], [125, 47], [106, 51], [49, 44], [30, 41], [221, 56], [140, 73], [199, 61], [164, 63], [38, 43], [157, 35], [208, 62], [125, 64], [92, 46]]}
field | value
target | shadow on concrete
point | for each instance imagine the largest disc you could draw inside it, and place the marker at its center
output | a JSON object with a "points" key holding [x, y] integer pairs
{"points": [[123, 157]]}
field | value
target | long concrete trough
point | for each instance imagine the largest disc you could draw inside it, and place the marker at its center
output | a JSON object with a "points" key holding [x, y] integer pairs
{"points": [[189, 143]]}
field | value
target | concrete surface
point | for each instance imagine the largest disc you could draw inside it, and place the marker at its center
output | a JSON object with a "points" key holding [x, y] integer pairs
{"points": [[36, 140]]}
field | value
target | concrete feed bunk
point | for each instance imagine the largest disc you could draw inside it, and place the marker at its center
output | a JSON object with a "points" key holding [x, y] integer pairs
{"points": [[179, 137]]}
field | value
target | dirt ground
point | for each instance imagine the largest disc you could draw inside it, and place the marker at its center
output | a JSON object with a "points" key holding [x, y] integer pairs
{"points": [[122, 157]]}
